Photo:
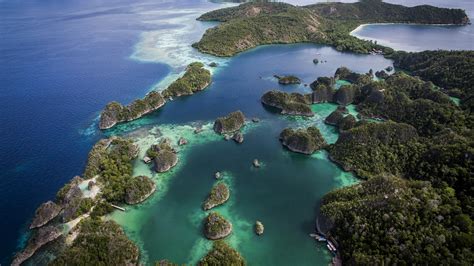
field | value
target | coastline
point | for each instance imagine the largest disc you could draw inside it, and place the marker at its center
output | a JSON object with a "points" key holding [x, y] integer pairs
{"points": [[362, 26]]}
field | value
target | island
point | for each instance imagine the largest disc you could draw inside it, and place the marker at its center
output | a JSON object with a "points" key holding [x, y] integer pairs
{"points": [[195, 78], [222, 254], [288, 103], [115, 113], [287, 80], [305, 140], [216, 226], [230, 123], [163, 155], [219, 195], [252, 24]]}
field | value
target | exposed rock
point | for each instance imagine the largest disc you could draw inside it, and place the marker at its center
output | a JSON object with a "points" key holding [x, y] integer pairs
{"points": [[139, 189], [182, 141], [322, 94], [213, 64], [218, 196], [255, 120], [164, 156], [218, 175], [389, 69], [334, 118], [43, 236], [304, 141], [288, 103], [216, 226], [198, 130], [315, 61], [256, 163], [227, 137], [230, 123], [222, 254], [238, 137], [344, 95], [259, 228], [115, 113], [196, 78], [323, 81], [342, 109], [45, 213], [147, 160]]}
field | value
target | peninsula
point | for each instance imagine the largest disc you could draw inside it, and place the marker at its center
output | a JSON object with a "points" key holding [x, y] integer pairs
{"points": [[253, 24]]}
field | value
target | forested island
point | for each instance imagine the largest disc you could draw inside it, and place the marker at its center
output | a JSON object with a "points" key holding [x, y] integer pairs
{"points": [[195, 78], [412, 146], [252, 24]]}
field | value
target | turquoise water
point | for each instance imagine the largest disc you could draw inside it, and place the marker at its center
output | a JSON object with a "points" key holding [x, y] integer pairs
{"points": [[61, 62]]}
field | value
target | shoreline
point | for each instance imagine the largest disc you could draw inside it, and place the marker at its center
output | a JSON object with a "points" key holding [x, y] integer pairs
{"points": [[362, 26]]}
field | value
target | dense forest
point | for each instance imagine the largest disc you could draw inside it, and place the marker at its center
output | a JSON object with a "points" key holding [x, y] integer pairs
{"points": [[253, 24]]}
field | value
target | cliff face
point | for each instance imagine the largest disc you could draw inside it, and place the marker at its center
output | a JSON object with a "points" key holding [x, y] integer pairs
{"points": [[288, 103], [230, 123], [115, 113], [304, 141], [43, 236], [45, 213]]}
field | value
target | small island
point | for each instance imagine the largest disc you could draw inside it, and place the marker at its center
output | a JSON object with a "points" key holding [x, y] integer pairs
{"points": [[216, 226], [163, 155], [304, 141], [115, 113], [218, 196], [139, 189], [259, 228], [287, 80], [222, 254], [230, 123], [252, 24], [288, 103], [196, 78]]}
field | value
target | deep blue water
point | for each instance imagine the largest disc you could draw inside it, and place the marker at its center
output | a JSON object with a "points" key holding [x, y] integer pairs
{"points": [[62, 61]]}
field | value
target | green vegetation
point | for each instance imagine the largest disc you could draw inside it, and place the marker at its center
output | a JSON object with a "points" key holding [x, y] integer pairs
{"points": [[115, 113], [138, 189], [392, 221], [216, 226], [285, 80], [196, 78], [230, 123], [222, 254], [219, 194], [288, 103], [450, 70], [305, 141], [101, 208], [164, 155], [99, 243], [252, 24]]}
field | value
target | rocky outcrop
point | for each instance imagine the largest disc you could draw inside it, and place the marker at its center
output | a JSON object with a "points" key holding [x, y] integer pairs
{"points": [[256, 163], [334, 118], [238, 137], [182, 141], [259, 228], [139, 189], [323, 81], [230, 123], [45, 213], [196, 78], [216, 226], [288, 103], [344, 95], [43, 236], [218, 196], [165, 160], [115, 113], [286, 80], [304, 141], [346, 123], [343, 73]]}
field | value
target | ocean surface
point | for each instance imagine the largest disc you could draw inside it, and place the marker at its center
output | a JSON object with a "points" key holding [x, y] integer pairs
{"points": [[61, 62]]}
